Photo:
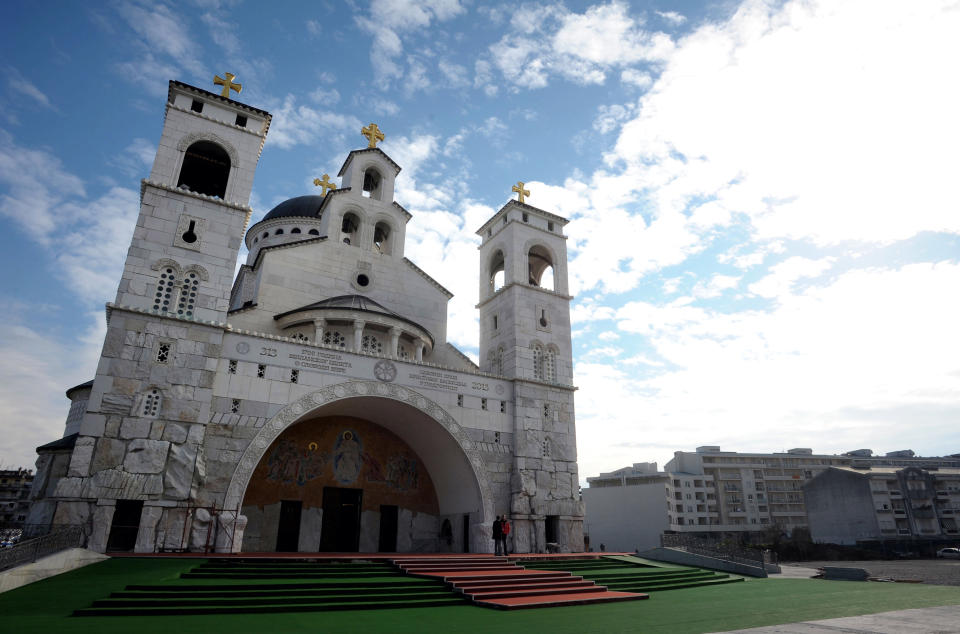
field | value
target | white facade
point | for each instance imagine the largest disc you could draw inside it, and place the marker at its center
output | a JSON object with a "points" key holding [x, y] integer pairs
{"points": [[313, 402]]}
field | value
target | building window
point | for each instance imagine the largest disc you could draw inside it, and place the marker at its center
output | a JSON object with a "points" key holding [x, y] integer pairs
{"points": [[196, 105], [188, 294], [537, 361], [151, 404], [546, 449], [165, 290], [232, 367], [371, 344], [235, 406], [546, 410], [241, 121], [205, 170], [261, 371], [294, 376], [459, 400], [163, 353], [549, 365], [302, 338], [496, 437], [483, 404], [335, 339], [503, 407]]}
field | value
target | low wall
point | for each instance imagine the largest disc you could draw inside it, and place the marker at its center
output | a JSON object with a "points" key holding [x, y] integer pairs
{"points": [[48, 566], [684, 558]]}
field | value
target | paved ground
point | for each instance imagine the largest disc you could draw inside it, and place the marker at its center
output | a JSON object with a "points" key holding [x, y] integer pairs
{"points": [[941, 620], [941, 572]]}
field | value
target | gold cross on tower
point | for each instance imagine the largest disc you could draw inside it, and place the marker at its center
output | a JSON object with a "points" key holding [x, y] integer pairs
{"points": [[227, 84], [521, 192], [373, 134], [325, 183]]}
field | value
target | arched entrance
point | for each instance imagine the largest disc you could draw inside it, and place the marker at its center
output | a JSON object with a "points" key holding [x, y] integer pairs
{"points": [[407, 425]]}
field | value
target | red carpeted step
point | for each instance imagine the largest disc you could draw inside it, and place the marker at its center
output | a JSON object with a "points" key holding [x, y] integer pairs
{"points": [[560, 600], [519, 592], [497, 581], [475, 589]]}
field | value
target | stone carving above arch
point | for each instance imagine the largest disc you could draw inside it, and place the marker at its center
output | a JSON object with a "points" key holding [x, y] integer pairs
{"points": [[193, 137], [166, 263], [353, 389], [199, 270]]}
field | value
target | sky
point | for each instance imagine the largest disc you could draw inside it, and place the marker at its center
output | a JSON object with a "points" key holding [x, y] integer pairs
{"points": [[764, 236]]}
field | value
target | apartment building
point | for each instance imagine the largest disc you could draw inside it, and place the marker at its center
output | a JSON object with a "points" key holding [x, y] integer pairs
{"points": [[709, 491], [14, 493], [847, 505]]}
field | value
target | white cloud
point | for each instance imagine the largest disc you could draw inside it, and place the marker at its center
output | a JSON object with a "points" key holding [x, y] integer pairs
{"points": [[774, 115], [636, 78], [716, 286], [547, 40], [391, 19], [672, 17], [24, 86], [860, 361], [608, 117], [785, 274], [325, 96], [301, 125], [608, 335]]}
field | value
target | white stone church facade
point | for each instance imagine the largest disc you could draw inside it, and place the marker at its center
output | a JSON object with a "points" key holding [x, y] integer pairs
{"points": [[311, 401]]}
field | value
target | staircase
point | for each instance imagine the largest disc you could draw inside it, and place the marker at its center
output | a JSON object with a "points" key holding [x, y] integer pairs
{"points": [[259, 586], [501, 583], [628, 575]]}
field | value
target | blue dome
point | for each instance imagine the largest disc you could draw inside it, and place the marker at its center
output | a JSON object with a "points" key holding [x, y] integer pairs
{"points": [[301, 206]]}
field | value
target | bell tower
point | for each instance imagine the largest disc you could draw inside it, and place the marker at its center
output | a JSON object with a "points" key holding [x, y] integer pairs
{"points": [[194, 206], [525, 336]]}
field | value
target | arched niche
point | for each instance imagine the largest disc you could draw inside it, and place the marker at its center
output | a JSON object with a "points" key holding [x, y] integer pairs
{"points": [[540, 267], [383, 238], [496, 273], [205, 169]]}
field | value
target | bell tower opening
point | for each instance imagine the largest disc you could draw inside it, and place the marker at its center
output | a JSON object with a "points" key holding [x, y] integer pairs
{"points": [[381, 238], [497, 274], [206, 169], [372, 183], [349, 228], [540, 266]]}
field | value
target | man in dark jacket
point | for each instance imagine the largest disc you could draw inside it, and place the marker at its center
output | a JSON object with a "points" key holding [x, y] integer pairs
{"points": [[498, 536]]}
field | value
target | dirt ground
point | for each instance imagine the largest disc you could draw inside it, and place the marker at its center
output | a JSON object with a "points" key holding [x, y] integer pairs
{"points": [[941, 572]]}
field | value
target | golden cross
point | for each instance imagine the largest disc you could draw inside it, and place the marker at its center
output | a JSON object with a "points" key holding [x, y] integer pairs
{"points": [[373, 134], [325, 183], [521, 192], [227, 84]]}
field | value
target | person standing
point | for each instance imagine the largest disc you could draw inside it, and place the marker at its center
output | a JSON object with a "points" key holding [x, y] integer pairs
{"points": [[505, 531], [497, 536]]}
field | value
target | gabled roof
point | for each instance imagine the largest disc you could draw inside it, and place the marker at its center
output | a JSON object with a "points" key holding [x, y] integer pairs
{"points": [[367, 151]]}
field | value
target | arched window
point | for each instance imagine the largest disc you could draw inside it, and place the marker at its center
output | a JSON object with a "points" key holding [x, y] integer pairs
{"points": [[334, 338], [371, 344], [540, 267], [188, 294], [550, 365], [350, 228], [166, 290], [295, 230], [314, 232], [537, 361], [372, 183], [496, 272], [301, 337], [547, 448], [499, 366], [381, 238], [205, 169], [278, 232]]}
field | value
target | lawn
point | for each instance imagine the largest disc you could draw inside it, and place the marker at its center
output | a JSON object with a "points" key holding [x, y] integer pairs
{"points": [[46, 606]]}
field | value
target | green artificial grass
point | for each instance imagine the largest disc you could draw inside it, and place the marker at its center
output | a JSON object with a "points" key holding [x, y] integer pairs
{"points": [[46, 606]]}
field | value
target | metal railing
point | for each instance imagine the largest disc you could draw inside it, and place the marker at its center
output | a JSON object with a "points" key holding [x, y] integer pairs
{"points": [[33, 549], [713, 548]]}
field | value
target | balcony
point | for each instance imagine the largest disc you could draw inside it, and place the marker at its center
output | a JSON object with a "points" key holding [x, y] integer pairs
{"points": [[895, 494]]}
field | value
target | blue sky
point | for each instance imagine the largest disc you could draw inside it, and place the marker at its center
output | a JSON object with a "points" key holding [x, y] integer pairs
{"points": [[764, 218]]}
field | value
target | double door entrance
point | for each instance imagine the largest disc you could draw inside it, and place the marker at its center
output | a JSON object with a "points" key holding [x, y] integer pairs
{"points": [[340, 528]]}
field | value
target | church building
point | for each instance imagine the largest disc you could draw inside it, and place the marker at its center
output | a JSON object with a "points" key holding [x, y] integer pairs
{"points": [[308, 400]]}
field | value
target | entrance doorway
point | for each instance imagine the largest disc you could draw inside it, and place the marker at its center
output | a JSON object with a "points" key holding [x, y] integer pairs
{"points": [[340, 531], [126, 524], [389, 514], [288, 532], [551, 529], [466, 532]]}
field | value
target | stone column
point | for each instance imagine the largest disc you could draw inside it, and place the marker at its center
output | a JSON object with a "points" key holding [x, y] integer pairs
{"points": [[318, 326], [394, 342], [358, 335], [418, 345]]}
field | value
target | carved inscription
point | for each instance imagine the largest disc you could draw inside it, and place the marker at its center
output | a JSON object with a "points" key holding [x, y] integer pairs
{"points": [[320, 360], [438, 380]]}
